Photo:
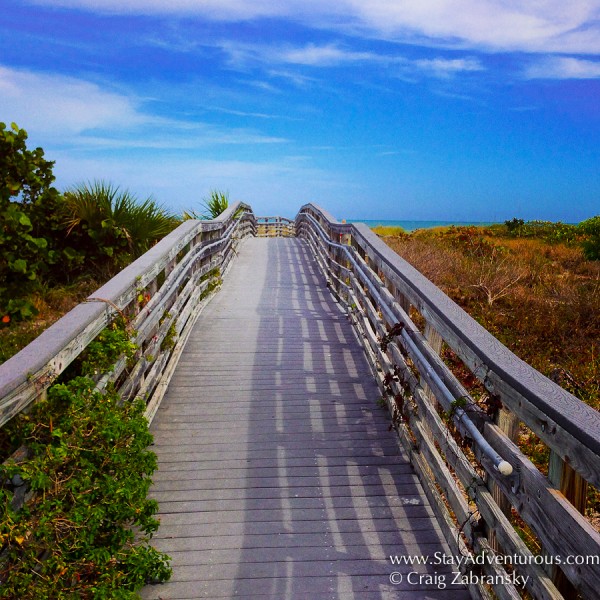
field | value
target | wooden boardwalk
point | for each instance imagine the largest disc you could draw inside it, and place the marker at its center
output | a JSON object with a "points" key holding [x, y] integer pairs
{"points": [[278, 475]]}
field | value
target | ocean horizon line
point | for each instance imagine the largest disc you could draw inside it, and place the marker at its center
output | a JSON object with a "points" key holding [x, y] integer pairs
{"points": [[414, 224]]}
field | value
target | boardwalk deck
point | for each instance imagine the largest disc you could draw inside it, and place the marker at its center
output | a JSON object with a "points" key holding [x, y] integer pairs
{"points": [[278, 476]]}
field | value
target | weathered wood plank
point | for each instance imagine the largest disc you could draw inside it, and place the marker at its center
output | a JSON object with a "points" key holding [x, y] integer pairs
{"points": [[293, 503], [277, 527], [309, 553], [372, 541], [303, 588]]}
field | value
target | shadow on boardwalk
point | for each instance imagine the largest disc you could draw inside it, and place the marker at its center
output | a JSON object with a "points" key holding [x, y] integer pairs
{"points": [[278, 475]]}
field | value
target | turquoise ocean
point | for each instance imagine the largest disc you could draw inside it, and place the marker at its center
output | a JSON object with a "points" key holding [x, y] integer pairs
{"points": [[412, 225]]}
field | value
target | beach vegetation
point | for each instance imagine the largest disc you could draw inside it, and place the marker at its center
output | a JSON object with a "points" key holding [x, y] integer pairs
{"points": [[216, 203], [76, 520], [539, 298], [33, 247], [111, 226], [389, 231], [56, 248], [590, 229]]}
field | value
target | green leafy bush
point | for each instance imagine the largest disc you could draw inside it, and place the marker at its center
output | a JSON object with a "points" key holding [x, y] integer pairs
{"points": [[515, 226], [553, 233], [32, 240], [590, 229], [102, 353], [111, 226], [84, 532]]}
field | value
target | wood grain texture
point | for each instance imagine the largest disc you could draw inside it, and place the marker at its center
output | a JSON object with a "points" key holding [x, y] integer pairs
{"points": [[278, 476]]}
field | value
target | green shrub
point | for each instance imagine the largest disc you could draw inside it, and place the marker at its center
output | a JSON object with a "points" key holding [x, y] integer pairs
{"points": [[84, 532], [590, 229], [112, 343], [515, 226], [32, 240], [553, 233], [111, 226]]}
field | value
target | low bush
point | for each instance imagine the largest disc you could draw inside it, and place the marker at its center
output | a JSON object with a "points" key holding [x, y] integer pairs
{"points": [[586, 233], [82, 530], [591, 232], [111, 226]]}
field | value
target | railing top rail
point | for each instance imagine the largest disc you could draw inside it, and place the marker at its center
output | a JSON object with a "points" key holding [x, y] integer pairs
{"points": [[265, 220], [452, 322], [17, 370], [325, 214]]}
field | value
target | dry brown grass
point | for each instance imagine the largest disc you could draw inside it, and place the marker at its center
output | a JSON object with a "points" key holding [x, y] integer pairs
{"points": [[540, 300]]}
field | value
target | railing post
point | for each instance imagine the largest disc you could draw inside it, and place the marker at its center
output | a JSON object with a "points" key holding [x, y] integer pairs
{"points": [[401, 299], [436, 342], [562, 476], [509, 424]]}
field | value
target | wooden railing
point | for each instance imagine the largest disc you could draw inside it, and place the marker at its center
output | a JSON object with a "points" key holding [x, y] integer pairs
{"points": [[160, 295], [275, 227], [465, 451]]}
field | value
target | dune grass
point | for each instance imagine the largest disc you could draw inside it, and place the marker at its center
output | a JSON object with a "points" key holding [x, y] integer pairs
{"points": [[540, 299], [389, 231]]}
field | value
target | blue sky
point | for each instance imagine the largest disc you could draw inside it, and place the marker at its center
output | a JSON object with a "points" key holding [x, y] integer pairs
{"points": [[439, 109]]}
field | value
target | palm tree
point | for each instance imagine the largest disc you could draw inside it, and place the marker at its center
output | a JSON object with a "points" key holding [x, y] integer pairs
{"points": [[113, 226], [214, 205]]}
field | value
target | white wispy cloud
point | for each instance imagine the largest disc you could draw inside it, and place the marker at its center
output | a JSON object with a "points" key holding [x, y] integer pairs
{"points": [[76, 112], [325, 55], [445, 67], [563, 67], [297, 79], [544, 25], [57, 104], [252, 115], [540, 26], [244, 55]]}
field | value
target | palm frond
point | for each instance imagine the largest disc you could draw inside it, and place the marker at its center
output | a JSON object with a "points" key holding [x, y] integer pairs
{"points": [[103, 206]]}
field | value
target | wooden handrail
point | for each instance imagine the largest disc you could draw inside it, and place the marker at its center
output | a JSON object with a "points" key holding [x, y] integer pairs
{"points": [[379, 289], [185, 255]]}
